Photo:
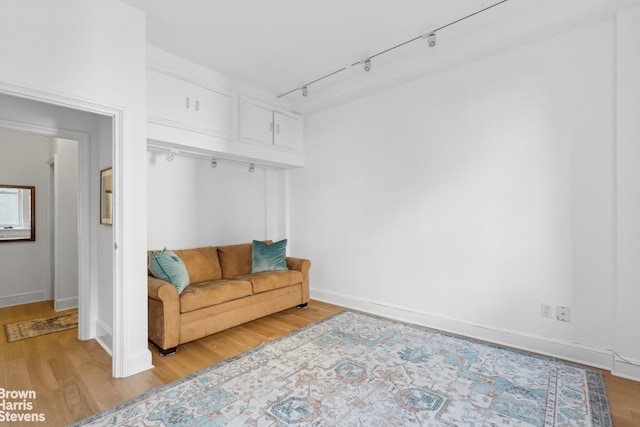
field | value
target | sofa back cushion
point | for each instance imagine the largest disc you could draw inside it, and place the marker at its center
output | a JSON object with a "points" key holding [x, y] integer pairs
{"points": [[202, 263], [235, 260], [268, 256]]}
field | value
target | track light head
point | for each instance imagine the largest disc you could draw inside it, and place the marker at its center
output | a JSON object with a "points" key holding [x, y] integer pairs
{"points": [[431, 39], [367, 64], [171, 156], [305, 91]]}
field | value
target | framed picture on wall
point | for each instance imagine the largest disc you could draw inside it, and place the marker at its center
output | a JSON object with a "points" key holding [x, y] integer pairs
{"points": [[106, 196]]}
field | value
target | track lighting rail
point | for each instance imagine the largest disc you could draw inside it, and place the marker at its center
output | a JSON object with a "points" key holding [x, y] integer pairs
{"points": [[312, 82], [430, 36], [214, 158]]}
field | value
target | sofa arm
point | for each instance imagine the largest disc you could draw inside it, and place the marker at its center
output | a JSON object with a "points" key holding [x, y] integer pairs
{"points": [[303, 266], [163, 291], [164, 313]]}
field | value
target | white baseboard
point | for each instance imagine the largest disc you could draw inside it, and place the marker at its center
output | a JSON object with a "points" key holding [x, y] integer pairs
{"points": [[24, 298], [65, 303], [627, 368], [596, 357], [138, 363], [104, 336]]}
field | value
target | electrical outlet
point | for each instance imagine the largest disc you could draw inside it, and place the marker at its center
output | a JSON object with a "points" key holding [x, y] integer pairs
{"points": [[562, 313], [545, 310]]}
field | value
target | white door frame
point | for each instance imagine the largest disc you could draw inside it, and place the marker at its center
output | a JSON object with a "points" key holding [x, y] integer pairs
{"points": [[86, 321]]}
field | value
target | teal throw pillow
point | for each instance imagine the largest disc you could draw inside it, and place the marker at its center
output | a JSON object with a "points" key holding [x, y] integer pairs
{"points": [[169, 267], [268, 257]]}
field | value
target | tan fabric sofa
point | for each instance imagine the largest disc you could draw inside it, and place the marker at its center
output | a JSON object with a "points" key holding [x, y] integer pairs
{"points": [[222, 293]]}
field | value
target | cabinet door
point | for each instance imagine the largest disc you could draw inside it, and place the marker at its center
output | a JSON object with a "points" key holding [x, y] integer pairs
{"points": [[211, 111], [286, 131], [175, 102], [257, 123], [167, 98]]}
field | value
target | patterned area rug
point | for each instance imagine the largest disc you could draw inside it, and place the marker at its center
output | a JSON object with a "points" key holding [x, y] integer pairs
{"points": [[34, 328], [358, 370]]}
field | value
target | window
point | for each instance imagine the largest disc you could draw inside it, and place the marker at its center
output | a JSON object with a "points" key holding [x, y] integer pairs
{"points": [[15, 207]]}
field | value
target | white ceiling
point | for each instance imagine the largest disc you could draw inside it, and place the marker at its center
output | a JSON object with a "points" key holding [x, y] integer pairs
{"points": [[279, 45]]}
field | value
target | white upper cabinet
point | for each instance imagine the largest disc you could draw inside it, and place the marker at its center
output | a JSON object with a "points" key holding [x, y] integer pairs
{"points": [[188, 111], [177, 102], [263, 124], [257, 123], [287, 131]]}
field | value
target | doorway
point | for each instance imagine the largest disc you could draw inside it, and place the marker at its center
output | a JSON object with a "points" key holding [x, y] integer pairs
{"points": [[92, 140], [108, 254]]}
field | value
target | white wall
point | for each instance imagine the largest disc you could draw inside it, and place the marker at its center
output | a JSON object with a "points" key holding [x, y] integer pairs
{"points": [[465, 200], [91, 56], [628, 195], [25, 265], [191, 204]]}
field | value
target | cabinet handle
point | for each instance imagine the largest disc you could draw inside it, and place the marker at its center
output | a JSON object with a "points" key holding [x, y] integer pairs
{"points": [[277, 128], [197, 105], [187, 103], [270, 127]]}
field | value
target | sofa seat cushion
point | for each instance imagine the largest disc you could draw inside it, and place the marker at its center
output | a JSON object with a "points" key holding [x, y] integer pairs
{"points": [[205, 294], [269, 280]]}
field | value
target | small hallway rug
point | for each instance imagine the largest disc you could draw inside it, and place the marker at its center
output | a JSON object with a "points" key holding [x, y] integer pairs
{"points": [[354, 369], [34, 328]]}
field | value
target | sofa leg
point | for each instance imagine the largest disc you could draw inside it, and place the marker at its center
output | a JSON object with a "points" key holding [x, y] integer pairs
{"points": [[168, 352], [304, 305]]}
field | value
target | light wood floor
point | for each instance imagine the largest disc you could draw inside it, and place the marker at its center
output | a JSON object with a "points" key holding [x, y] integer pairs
{"points": [[73, 380]]}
